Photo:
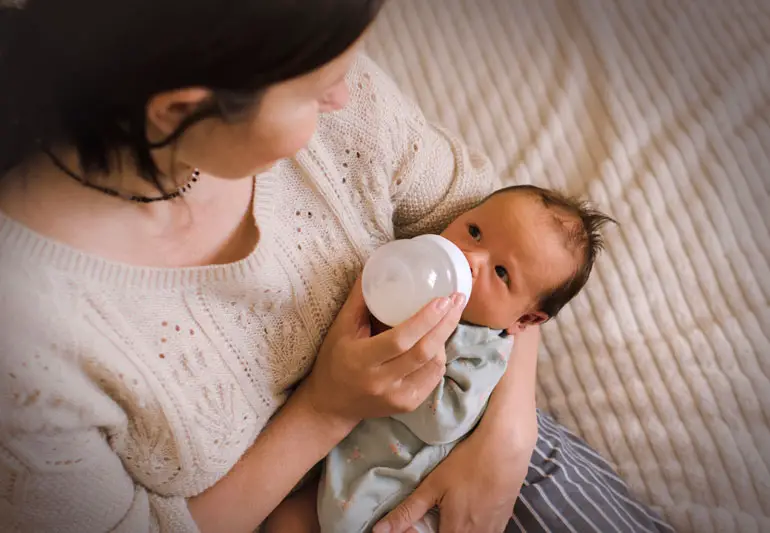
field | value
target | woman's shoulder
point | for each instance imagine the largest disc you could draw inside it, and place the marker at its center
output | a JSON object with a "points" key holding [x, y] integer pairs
{"points": [[40, 353], [40, 311], [34, 296], [373, 90], [421, 176], [379, 117]]}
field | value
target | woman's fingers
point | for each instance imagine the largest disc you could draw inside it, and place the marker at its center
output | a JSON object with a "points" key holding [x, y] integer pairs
{"points": [[401, 339], [421, 368], [394, 371], [429, 344], [409, 512], [435, 340], [418, 385]]}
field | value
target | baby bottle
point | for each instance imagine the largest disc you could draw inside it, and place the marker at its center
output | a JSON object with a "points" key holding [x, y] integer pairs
{"points": [[402, 277]]}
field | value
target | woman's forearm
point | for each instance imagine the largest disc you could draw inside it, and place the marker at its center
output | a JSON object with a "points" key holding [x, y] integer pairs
{"points": [[286, 450], [514, 397]]}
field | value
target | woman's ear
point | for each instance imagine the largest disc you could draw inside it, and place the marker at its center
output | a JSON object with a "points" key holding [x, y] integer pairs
{"points": [[167, 111], [530, 319]]}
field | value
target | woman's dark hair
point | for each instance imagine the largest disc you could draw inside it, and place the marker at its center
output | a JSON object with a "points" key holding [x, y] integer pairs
{"points": [[81, 72]]}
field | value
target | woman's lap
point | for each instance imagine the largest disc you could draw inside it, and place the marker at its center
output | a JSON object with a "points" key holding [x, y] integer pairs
{"points": [[569, 487]]}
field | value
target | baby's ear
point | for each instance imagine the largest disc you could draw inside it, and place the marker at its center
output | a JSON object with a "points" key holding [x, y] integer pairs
{"points": [[530, 319]]}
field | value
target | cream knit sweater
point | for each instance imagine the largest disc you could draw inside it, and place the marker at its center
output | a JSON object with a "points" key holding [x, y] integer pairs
{"points": [[125, 390]]}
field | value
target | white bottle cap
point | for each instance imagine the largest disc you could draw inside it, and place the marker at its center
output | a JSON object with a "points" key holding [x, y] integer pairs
{"points": [[402, 277]]}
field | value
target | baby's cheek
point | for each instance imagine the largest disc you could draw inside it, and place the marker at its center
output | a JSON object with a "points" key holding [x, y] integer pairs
{"points": [[488, 308], [474, 309]]}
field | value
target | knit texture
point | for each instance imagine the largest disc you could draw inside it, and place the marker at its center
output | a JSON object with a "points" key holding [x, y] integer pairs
{"points": [[125, 390], [660, 112]]}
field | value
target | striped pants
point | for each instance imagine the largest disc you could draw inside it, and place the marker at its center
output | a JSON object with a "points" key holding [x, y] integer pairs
{"points": [[569, 487]]}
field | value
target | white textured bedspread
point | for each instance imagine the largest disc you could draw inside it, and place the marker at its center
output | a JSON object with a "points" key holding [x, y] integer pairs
{"points": [[660, 112]]}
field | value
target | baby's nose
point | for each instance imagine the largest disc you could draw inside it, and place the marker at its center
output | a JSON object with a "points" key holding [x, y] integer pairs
{"points": [[473, 262]]}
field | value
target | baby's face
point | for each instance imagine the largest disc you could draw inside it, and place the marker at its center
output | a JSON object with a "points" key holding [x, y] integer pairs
{"points": [[517, 252]]}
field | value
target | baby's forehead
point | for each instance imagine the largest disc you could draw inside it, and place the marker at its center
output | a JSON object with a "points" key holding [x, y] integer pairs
{"points": [[544, 215], [513, 201], [506, 200]]}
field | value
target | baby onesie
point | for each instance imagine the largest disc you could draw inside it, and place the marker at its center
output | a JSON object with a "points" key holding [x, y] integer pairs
{"points": [[384, 459]]}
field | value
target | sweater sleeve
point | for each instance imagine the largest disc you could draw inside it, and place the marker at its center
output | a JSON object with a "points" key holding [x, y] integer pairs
{"points": [[58, 471], [434, 176], [437, 183]]}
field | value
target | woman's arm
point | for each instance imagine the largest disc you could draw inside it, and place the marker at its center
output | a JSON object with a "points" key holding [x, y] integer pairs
{"points": [[71, 479], [296, 439], [63, 474], [355, 376], [511, 409]]}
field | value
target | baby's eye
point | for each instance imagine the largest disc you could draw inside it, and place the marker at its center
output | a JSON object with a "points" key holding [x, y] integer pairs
{"points": [[502, 273], [474, 232]]}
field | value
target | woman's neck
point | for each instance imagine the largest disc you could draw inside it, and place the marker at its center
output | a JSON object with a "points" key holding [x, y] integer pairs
{"points": [[124, 178], [211, 224]]}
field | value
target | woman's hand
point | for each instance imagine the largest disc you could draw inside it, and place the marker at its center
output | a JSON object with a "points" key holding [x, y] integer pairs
{"points": [[358, 376]]}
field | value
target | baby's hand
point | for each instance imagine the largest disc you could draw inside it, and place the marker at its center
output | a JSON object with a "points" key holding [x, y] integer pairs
{"points": [[296, 514]]}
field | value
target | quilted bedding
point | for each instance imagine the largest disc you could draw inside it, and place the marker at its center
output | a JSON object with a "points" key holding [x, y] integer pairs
{"points": [[659, 111]]}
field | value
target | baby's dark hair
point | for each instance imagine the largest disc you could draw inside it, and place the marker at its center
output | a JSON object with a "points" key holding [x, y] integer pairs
{"points": [[582, 224]]}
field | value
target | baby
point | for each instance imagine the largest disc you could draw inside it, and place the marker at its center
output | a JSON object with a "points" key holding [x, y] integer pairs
{"points": [[531, 251]]}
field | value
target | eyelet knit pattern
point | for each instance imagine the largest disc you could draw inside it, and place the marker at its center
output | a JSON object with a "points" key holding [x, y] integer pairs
{"points": [[126, 390]]}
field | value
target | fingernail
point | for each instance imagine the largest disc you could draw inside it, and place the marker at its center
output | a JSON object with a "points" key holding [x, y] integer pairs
{"points": [[382, 527], [458, 299], [441, 306]]}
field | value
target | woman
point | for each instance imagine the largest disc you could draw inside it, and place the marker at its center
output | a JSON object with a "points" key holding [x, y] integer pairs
{"points": [[159, 310]]}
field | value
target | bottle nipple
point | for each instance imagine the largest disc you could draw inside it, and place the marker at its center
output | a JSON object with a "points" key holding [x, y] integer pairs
{"points": [[402, 277]]}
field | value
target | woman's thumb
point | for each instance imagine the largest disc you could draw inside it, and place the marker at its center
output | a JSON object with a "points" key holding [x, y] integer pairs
{"points": [[354, 311], [411, 510]]}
